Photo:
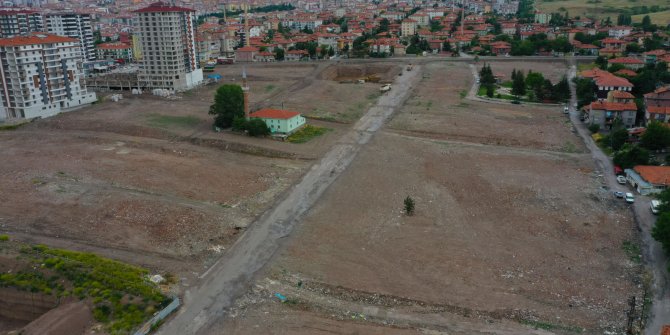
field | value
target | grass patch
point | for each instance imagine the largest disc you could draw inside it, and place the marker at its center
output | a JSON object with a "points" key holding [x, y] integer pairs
{"points": [[551, 326], [166, 121], [463, 94], [269, 88], [373, 96], [482, 91], [584, 67], [633, 252], [307, 133], [507, 84], [11, 126], [122, 295], [569, 147]]}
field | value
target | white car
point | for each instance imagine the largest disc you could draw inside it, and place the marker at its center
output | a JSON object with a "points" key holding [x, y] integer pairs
{"points": [[566, 110], [654, 206], [385, 88], [630, 198], [621, 180]]}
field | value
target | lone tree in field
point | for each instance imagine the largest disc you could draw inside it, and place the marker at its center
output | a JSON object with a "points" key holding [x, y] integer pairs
{"points": [[228, 104], [409, 205]]}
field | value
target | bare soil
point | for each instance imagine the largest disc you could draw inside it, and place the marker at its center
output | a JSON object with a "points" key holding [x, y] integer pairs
{"points": [[513, 231]]}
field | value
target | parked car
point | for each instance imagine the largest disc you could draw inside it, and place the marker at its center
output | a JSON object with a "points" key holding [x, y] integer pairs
{"points": [[566, 110], [654, 206], [621, 180], [630, 198], [619, 194]]}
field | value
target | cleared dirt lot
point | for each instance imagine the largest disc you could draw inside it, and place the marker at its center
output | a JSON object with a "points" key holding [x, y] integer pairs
{"points": [[148, 174], [513, 233], [438, 109]]}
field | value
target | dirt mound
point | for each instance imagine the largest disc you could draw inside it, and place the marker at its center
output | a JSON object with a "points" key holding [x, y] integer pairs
{"points": [[385, 72]]}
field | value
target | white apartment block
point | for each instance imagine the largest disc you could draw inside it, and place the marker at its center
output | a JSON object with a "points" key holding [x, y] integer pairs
{"points": [[167, 43], [74, 25], [41, 76], [19, 22]]}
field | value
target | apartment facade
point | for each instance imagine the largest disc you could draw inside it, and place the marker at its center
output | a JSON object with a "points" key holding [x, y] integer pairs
{"points": [[168, 47], [74, 25], [41, 76], [19, 22]]}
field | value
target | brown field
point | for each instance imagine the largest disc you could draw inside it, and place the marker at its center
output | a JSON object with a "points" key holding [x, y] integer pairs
{"points": [[146, 180], [513, 233], [600, 8]]}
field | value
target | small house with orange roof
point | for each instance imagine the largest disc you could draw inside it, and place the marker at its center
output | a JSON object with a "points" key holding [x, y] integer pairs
{"points": [[648, 179], [280, 121]]}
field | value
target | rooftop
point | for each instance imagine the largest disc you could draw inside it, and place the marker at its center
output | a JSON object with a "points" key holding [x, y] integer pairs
{"points": [[659, 175], [38, 38], [160, 6], [268, 113]]}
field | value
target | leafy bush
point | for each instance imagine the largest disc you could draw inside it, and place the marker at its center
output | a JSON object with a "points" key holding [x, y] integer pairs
{"points": [[306, 133], [594, 128], [257, 127]]}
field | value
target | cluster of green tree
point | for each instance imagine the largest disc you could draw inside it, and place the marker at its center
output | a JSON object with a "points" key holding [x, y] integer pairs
{"points": [[539, 42], [538, 88], [228, 111], [310, 47], [559, 20], [586, 91], [435, 25], [417, 45], [487, 80], [526, 12], [590, 39], [624, 20], [661, 230], [634, 10], [627, 155], [649, 77], [254, 127]]}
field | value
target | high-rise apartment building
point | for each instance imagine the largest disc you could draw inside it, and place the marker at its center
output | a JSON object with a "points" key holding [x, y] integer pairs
{"points": [[167, 45], [76, 26], [41, 76], [19, 22]]}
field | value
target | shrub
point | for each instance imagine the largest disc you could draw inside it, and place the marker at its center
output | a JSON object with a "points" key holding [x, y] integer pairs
{"points": [[409, 205], [594, 128], [257, 127]]}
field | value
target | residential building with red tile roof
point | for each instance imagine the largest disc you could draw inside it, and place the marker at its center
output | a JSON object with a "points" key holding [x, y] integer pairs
{"points": [[604, 113], [280, 121], [656, 113], [659, 97], [628, 62], [648, 179]]}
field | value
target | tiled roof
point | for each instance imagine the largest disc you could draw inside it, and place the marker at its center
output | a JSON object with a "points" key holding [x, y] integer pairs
{"points": [[613, 106], [613, 81], [659, 175], [658, 109], [268, 113], [625, 60], [622, 95], [163, 7], [39, 38], [113, 46]]}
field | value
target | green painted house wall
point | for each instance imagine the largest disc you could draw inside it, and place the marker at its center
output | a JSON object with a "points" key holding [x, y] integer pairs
{"points": [[284, 126]]}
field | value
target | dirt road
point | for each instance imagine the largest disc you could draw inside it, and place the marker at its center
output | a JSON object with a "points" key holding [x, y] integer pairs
{"points": [[229, 277], [653, 252]]}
